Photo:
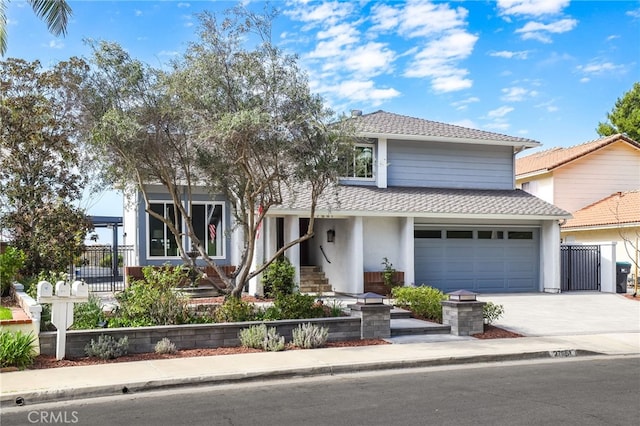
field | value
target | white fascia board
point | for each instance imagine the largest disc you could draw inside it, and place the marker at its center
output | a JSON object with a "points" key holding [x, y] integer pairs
{"points": [[523, 144], [532, 174], [322, 214], [601, 227]]}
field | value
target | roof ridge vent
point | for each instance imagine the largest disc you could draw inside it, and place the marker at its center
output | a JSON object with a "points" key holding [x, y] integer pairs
{"points": [[356, 112]]}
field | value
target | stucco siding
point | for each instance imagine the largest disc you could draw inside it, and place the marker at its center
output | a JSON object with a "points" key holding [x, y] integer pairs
{"points": [[381, 239], [441, 165], [596, 176], [606, 235]]}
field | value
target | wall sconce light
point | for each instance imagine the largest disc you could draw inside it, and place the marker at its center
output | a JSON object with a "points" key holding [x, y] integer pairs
{"points": [[331, 236]]}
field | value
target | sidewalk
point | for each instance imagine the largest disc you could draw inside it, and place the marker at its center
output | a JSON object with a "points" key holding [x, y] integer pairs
{"points": [[557, 325], [34, 386]]}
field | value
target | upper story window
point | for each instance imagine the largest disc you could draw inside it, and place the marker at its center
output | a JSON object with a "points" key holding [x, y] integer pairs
{"points": [[208, 225], [360, 165]]}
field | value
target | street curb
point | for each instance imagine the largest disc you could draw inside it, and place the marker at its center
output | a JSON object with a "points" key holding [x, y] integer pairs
{"points": [[36, 397]]}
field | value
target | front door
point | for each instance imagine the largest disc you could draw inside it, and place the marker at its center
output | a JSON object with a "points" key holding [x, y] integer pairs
{"points": [[304, 246]]}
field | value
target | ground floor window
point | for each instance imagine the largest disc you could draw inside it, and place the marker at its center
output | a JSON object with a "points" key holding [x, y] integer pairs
{"points": [[208, 224], [162, 243]]}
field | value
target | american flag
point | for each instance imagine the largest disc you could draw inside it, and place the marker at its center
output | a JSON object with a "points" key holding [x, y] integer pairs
{"points": [[212, 231]]}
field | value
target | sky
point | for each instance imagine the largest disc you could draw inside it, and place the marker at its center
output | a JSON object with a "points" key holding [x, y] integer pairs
{"points": [[548, 70]]}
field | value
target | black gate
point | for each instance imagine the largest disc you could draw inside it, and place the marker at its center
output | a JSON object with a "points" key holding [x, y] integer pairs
{"points": [[580, 267], [98, 267]]}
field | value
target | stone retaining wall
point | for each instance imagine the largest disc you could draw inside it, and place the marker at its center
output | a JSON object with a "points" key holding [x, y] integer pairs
{"points": [[194, 336]]}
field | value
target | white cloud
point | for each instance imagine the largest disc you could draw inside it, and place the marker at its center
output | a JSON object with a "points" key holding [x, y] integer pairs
{"points": [[325, 13], [497, 125], [370, 59], [464, 103], [601, 68], [384, 17], [439, 60], [517, 94], [531, 7], [500, 112], [168, 53], [363, 91], [613, 37], [539, 31], [549, 106], [585, 80], [423, 18], [522, 54], [55, 44], [138, 12], [183, 4], [633, 13]]}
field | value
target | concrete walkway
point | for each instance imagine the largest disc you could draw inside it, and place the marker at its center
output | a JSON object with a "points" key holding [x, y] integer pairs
{"points": [[533, 315]]}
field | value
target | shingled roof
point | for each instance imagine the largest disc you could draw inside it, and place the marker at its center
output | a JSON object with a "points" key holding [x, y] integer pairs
{"points": [[422, 202], [389, 124], [621, 208], [555, 157]]}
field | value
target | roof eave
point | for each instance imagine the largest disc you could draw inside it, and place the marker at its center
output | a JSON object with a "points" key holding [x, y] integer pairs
{"points": [[336, 214], [519, 144], [598, 227]]}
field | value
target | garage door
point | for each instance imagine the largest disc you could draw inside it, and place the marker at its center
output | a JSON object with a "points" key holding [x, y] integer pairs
{"points": [[479, 260]]}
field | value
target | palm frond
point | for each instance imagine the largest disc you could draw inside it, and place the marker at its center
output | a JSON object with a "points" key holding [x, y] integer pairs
{"points": [[56, 14]]}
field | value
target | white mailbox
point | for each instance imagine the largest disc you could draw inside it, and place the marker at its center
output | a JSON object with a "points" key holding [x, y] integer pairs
{"points": [[63, 289], [79, 289], [45, 289]]}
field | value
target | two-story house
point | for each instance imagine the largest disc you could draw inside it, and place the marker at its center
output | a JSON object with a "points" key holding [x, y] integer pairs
{"points": [[597, 181], [437, 200]]}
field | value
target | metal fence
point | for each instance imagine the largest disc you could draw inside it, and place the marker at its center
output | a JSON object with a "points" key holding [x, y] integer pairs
{"points": [[580, 267], [103, 271]]}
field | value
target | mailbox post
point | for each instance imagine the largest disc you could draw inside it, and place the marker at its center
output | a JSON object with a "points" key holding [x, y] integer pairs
{"points": [[62, 307]]}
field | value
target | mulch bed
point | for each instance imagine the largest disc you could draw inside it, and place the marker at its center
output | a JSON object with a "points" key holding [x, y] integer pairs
{"points": [[493, 332]]}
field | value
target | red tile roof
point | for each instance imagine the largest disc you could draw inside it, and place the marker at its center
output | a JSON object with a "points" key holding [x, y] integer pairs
{"points": [[621, 208], [556, 157]]}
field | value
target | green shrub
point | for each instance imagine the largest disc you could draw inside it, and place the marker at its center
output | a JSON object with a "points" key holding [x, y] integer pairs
{"points": [[297, 306], [278, 278], [388, 273], [334, 309], [11, 261], [5, 313], [235, 310], [261, 337], [273, 342], [152, 301], [165, 346], [105, 262], [492, 312], [309, 336], [253, 337], [107, 347], [88, 315], [423, 301], [16, 349]]}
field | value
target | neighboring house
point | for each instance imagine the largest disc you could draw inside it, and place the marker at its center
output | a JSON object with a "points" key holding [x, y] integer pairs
{"points": [[585, 180], [438, 200], [614, 218]]}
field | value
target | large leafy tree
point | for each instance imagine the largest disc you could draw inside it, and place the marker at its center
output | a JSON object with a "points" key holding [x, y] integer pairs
{"points": [[40, 161], [625, 116], [56, 14], [234, 115]]}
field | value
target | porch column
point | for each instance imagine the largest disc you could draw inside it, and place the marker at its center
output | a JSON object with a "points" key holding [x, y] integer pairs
{"points": [[357, 249], [408, 250], [292, 232], [382, 163], [550, 256]]}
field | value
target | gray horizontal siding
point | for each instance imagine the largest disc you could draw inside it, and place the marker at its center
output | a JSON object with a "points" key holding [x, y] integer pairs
{"points": [[445, 165]]}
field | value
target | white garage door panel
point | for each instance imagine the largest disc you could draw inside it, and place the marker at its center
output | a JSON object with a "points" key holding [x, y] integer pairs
{"points": [[478, 265]]}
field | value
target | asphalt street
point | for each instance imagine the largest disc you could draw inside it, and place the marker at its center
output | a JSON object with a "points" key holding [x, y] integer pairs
{"points": [[576, 391]]}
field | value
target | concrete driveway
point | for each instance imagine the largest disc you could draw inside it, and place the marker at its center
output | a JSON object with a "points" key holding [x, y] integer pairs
{"points": [[544, 314]]}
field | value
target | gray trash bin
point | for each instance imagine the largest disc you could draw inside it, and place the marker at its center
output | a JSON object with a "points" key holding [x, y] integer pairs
{"points": [[622, 271]]}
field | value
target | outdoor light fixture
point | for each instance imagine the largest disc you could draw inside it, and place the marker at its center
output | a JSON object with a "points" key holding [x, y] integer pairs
{"points": [[331, 235], [462, 296], [369, 299]]}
